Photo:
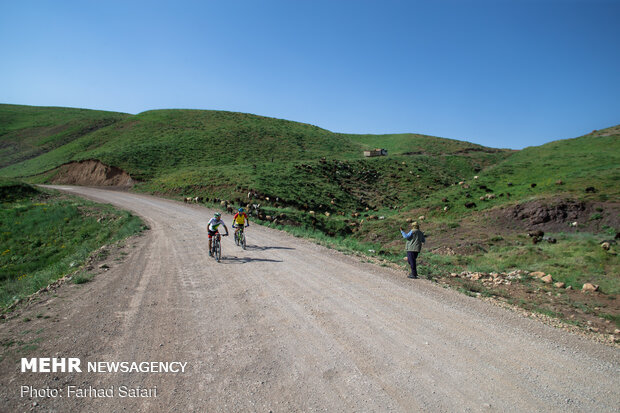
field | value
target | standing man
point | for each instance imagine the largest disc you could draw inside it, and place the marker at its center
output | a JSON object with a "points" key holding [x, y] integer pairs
{"points": [[414, 238]]}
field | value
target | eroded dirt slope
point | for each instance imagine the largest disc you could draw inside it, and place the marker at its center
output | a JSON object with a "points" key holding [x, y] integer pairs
{"points": [[91, 173]]}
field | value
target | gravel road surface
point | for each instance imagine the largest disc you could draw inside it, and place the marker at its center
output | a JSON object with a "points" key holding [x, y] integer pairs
{"points": [[290, 326]]}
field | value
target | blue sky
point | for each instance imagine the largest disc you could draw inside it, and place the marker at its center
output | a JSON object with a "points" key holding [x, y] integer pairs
{"points": [[500, 73]]}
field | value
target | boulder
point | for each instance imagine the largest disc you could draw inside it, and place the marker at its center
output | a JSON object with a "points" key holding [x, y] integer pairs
{"points": [[547, 279], [559, 284], [537, 274], [589, 287]]}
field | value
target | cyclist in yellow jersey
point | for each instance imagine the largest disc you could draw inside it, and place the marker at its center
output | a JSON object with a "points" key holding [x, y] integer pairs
{"points": [[239, 220]]}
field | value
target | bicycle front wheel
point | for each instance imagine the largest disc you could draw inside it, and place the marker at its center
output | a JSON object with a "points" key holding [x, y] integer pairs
{"points": [[243, 240], [218, 252]]}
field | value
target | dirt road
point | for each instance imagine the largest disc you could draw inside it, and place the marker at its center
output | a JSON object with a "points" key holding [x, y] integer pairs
{"points": [[291, 326]]}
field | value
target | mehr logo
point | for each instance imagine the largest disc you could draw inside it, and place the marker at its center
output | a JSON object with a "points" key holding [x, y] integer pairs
{"points": [[51, 365]]}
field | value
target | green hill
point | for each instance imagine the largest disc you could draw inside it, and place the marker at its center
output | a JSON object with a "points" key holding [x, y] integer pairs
{"points": [[159, 142], [565, 166], [584, 169], [415, 144], [177, 149], [28, 131], [156, 143]]}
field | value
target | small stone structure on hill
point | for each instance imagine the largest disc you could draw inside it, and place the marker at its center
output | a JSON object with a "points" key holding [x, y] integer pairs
{"points": [[376, 152]]}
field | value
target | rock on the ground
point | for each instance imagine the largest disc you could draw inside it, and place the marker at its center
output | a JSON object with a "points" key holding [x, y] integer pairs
{"points": [[547, 279]]}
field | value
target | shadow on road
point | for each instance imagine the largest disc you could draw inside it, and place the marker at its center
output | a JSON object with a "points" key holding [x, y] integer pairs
{"points": [[245, 260], [264, 248]]}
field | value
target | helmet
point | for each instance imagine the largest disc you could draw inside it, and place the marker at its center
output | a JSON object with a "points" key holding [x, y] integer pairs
{"points": [[217, 215], [240, 209]]}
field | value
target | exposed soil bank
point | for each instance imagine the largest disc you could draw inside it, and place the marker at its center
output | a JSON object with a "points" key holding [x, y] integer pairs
{"points": [[91, 173]]}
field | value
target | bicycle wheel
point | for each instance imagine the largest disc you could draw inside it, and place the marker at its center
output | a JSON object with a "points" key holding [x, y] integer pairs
{"points": [[237, 238], [218, 251], [243, 240]]}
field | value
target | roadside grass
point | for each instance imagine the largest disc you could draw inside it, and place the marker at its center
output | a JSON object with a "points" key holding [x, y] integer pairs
{"points": [[576, 258], [82, 278], [13, 190], [47, 236]]}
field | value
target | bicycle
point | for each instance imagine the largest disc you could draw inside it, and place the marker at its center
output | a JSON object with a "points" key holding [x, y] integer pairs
{"points": [[216, 247], [240, 237]]}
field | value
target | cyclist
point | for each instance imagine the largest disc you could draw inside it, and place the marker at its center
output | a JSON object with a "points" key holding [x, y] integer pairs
{"points": [[212, 228], [239, 220]]}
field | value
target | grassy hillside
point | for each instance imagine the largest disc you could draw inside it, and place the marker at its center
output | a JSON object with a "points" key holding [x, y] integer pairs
{"points": [[27, 131], [583, 169], [333, 185], [567, 166], [156, 143], [415, 144], [44, 236]]}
